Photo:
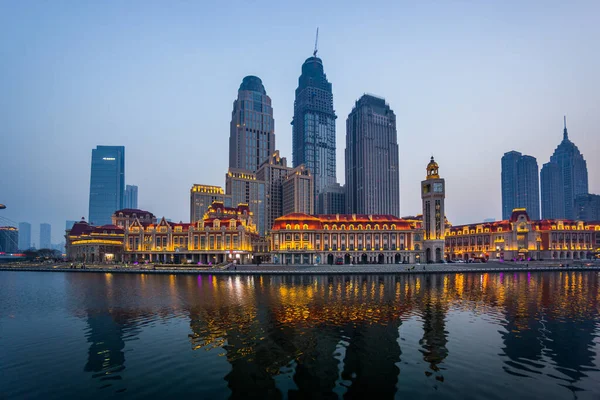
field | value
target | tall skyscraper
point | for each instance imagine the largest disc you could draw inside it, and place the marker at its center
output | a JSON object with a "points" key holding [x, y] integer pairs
{"points": [[587, 208], [24, 236], [572, 179], [520, 184], [298, 190], [9, 239], [252, 131], [131, 197], [202, 196], [332, 200], [244, 188], [107, 183], [313, 125], [372, 175], [45, 236]]}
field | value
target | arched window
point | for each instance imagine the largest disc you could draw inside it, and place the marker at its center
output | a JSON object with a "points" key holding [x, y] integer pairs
{"points": [[297, 227], [376, 227], [305, 226], [385, 227], [351, 227], [326, 227], [343, 227], [360, 227], [288, 226], [369, 227], [334, 227]]}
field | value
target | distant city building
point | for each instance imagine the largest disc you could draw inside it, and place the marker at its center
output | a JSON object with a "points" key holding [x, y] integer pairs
{"points": [[433, 194], [520, 184], [45, 236], [24, 236], [273, 171], [131, 197], [202, 196], [9, 239], [107, 183], [332, 200], [587, 207], [521, 238], [252, 131], [245, 188], [69, 224], [298, 195], [372, 175], [313, 132], [571, 177]]}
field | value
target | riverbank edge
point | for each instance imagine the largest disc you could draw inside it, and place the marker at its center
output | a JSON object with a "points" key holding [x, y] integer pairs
{"points": [[353, 271]]}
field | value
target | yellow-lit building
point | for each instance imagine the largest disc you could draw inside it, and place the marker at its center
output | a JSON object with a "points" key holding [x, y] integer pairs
{"points": [[94, 244], [345, 239], [520, 238]]}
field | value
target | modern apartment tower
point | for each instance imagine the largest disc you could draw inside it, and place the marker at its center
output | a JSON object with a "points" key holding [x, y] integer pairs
{"points": [[313, 125], [298, 196], [131, 197], [45, 236], [24, 236], [107, 183], [252, 131], [372, 175], [567, 172], [587, 208], [244, 188], [202, 196], [273, 172], [520, 184]]}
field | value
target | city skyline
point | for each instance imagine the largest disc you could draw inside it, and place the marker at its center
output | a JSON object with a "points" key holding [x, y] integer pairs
{"points": [[468, 123]]}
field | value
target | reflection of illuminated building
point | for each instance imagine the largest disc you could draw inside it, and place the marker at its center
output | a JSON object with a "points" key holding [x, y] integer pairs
{"points": [[325, 239], [434, 328], [521, 238]]}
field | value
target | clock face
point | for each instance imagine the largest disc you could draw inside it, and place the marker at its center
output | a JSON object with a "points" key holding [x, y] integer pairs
{"points": [[438, 187]]}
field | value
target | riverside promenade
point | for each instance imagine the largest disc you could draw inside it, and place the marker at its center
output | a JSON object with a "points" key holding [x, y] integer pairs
{"points": [[270, 269]]}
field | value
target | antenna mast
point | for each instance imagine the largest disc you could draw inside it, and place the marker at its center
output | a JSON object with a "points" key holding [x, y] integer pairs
{"points": [[316, 43]]}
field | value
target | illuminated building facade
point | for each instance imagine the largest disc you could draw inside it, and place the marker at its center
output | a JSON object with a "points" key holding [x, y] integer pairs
{"points": [[298, 192], [107, 183], [202, 196], [245, 188], [372, 175], [273, 172], [520, 238], [344, 239], [433, 194], [252, 133], [9, 239], [223, 235], [313, 132]]}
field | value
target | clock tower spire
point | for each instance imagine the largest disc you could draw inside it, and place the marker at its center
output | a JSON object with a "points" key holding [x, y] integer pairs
{"points": [[433, 193]]}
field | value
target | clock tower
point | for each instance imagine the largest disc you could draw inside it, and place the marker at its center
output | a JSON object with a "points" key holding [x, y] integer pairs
{"points": [[433, 192]]}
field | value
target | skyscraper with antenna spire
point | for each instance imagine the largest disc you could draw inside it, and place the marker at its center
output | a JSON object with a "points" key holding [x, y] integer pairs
{"points": [[563, 179], [313, 125]]}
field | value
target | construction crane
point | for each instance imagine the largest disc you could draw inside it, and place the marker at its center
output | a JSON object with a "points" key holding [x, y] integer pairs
{"points": [[316, 43]]}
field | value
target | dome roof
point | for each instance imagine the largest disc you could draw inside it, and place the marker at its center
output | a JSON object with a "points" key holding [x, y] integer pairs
{"points": [[253, 83]]}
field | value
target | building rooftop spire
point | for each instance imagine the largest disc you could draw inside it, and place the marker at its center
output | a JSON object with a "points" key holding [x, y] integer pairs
{"points": [[565, 133]]}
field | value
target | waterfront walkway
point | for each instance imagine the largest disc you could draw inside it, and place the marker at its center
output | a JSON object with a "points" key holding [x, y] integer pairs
{"points": [[266, 269]]}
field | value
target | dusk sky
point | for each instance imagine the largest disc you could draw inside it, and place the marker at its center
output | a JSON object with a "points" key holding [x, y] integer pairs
{"points": [[468, 81]]}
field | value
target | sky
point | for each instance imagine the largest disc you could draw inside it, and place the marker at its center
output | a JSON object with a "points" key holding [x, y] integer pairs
{"points": [[468, 81]]}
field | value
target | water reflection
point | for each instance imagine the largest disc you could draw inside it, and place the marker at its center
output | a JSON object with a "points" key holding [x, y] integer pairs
{"points": [[331, 337]]}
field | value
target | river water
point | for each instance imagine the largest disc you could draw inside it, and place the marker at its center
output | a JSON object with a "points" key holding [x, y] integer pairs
{"points": [[455, 336]]}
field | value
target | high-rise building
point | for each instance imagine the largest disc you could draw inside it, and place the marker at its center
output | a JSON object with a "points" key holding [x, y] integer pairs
{"points": [[332, 200], [45, 236], [587, 208], [252, 131], [572, 179], [131, 197], [107, 183], [24, 236], [298, 190], [433, 194], [202, 196], [520, 184], [244, 188], [69, 224], [273, 171], [313, 132], [9, 239], [372, 175]]}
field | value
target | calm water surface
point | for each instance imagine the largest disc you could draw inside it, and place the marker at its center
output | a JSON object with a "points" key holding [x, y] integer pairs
{"points": [[465, 336]]}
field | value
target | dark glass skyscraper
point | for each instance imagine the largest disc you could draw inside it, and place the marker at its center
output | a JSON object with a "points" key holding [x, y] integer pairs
{"points": [[313, 133], [520, 184], [252, 131], [372, 175], [566, 171], [107, 183]]}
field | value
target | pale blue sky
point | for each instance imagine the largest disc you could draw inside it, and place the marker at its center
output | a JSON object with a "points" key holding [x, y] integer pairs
{"points": [[468, 81]]}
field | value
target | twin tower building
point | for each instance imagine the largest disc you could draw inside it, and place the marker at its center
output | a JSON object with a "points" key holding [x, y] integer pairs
{"points": [[260, 177]]}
